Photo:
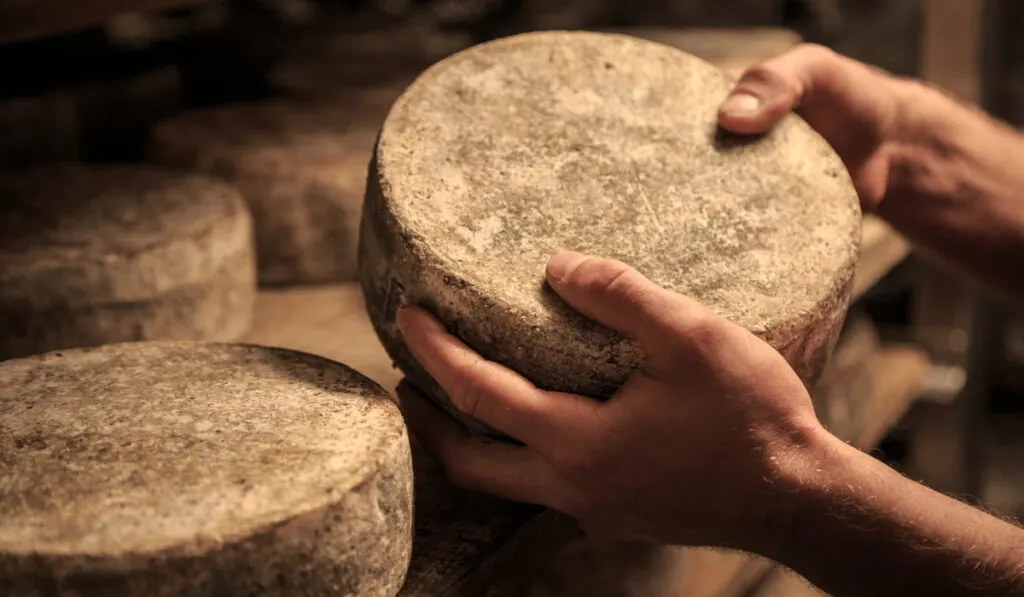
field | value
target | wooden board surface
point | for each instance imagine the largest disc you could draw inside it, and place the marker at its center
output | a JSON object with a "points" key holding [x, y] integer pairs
{"points": [[882, 249], [951, 45]]}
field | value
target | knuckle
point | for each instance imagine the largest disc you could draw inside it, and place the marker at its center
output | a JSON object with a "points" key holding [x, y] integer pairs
{"points": [[764, 74], [468, 394], [699, 330], [606, 281]]}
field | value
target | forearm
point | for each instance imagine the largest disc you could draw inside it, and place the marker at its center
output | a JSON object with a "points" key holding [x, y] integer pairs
{"points": [[956, 188], [859, 528]]}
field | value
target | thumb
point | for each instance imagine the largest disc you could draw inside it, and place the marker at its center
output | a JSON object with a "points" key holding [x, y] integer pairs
{"points": [[621, 298], [768, 91]]}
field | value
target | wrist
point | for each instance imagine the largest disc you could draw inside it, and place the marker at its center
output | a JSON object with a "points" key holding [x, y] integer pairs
{"points": [[935, 146], [809, 476]]}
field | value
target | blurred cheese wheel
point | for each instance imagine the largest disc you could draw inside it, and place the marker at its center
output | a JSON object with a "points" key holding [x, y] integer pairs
{"points": [[301, 168], [115, 253]]}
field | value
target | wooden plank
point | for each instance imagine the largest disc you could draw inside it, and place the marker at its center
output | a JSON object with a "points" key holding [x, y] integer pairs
{"points": [[26, 19], [951, 52], [882, 249], [717, 573], [943, 436], [899, 374]]}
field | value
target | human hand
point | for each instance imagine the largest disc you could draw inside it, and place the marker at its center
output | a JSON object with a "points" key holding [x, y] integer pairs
{"points": [[858, 109], [700, 446]]}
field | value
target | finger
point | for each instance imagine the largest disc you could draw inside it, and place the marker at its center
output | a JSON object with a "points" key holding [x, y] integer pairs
{"points": [[819, 84], [513, 472], [770, 90], [621, 298], [490, 392]]}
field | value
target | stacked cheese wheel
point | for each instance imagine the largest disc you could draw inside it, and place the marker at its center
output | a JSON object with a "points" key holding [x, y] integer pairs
{"points": [[302, 170], [99, 254]]}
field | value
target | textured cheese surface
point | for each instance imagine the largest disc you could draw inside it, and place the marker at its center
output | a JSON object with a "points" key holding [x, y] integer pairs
{"points": [[302, 169], [97, 254], [501, 155], [230, 458]]}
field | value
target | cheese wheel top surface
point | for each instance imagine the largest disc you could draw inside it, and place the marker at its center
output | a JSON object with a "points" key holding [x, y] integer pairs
{"points": [[177, 448], [60, 214], [503, 154]]}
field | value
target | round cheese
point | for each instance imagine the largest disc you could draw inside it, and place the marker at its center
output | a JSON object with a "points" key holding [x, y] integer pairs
{"points": [[194, 469], [502, 155], [302, 170], [100, 254]]}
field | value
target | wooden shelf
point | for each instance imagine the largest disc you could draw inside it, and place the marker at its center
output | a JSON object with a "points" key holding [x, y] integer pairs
{"points": [[882, 249]]}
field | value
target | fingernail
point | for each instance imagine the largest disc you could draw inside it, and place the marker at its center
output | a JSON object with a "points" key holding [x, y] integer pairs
{"points": [[562, 264], [741, 105]]}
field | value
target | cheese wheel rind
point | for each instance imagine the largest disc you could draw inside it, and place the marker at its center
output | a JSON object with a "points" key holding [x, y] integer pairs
{"points": [[122, 252], [196, 469], [501, 155], [302, 171]]}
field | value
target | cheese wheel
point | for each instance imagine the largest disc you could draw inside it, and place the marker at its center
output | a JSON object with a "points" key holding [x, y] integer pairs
{"points": [[192, 469], [504, 154], [96, 255], [302, 170]]}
